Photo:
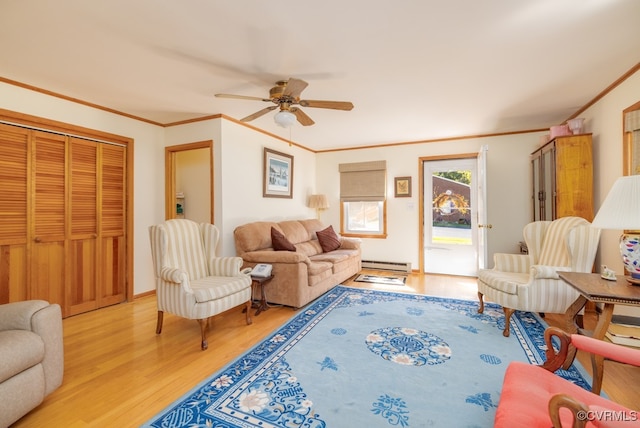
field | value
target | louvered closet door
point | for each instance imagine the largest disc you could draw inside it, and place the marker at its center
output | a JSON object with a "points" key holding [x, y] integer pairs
{"points": [[48, 213], [62, 220], [111, 226], [83, 226], [97, 249], [14, 181]]}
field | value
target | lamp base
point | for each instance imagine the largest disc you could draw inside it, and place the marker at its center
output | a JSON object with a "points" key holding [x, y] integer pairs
{"points": [[630, 252]]}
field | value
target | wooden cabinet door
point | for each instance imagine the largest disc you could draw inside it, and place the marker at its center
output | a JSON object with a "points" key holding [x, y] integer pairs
{"points": [[575, 176]]}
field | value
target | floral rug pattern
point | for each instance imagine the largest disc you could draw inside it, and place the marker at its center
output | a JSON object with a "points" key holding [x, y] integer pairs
{"points": [[369, 357]]}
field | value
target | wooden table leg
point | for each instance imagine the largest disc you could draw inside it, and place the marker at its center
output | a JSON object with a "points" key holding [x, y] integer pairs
{"points": [[571, 327], [597, 361]]}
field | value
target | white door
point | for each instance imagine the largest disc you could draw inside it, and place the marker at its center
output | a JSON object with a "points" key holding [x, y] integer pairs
{"points": [[451, 218], [483, 224]]}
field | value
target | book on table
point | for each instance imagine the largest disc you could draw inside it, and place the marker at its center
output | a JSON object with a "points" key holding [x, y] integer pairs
{"points": [[624, 330]]}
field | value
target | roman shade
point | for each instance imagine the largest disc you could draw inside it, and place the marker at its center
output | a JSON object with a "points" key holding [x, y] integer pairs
{"points": [[363, 181]]}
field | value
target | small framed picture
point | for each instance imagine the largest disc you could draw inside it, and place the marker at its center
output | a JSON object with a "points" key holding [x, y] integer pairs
{"points": [[278, 175], [403, 187]]}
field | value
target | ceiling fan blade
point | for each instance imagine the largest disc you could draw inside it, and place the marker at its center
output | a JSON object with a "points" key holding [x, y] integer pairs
{"points": [[302, 116], [294, 87], [242, 97], [258, 114], [336, 105]]}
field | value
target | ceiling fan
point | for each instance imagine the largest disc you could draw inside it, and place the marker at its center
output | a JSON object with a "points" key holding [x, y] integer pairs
{"points": [[286, 95]]}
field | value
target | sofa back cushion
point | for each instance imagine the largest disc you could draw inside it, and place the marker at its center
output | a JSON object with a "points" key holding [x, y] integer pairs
{"points": [[254, 236], [257, 235]]}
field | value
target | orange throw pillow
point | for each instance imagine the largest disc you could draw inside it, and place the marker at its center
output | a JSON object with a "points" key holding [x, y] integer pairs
{"points": [[280, 242], [329, 241]]}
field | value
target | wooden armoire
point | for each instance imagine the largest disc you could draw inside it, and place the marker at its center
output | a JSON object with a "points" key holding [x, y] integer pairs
{"points": [[562, 177], [63, 218]]}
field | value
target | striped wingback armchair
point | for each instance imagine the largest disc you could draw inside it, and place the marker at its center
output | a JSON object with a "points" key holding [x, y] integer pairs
{"points": [[191, 281], [529, 282]]}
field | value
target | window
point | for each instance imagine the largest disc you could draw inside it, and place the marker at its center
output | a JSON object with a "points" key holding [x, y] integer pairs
{"points": [[363, 199], [364, 218]]}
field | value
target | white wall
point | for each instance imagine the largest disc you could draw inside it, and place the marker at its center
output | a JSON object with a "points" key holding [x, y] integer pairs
{"points": [[508, 184]]}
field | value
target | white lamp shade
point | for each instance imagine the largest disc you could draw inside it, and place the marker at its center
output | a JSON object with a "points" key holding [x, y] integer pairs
{"points": [[621, 208], [285, 118]]}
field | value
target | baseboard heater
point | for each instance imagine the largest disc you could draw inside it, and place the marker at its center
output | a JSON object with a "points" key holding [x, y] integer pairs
{"points": [[404, 267]]}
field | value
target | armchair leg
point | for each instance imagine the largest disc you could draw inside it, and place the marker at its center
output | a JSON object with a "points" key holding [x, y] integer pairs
{"points": [[247, 311], [507, 320], [204, 327], [159, 322], [480, 298]]}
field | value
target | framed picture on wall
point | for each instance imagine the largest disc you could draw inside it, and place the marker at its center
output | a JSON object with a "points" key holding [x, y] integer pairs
{"points": [[278, 175], [402, 187]]}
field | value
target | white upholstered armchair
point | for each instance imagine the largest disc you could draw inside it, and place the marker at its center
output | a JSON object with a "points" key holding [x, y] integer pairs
{"points": [[529, 282], [191, 281]]}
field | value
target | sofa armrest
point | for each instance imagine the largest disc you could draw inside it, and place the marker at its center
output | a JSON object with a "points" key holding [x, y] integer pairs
{"points": [[350, 243], [17, 315], [45, 320], [518, 263], [274, 257], [47, 323]]}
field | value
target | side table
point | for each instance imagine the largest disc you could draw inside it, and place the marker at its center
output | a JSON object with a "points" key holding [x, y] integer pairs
{"points": [[261, 282], [595, 289]]}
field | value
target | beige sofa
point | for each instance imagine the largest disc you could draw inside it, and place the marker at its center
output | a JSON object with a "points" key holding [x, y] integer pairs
{"points": [[31, 356], [302, 275]]}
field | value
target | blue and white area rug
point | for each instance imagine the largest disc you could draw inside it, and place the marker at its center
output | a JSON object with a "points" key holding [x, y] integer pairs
{"points": [[367, 358]]}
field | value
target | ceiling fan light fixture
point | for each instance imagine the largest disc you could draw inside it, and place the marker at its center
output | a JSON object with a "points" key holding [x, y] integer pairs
{"points": [[285, 118]]}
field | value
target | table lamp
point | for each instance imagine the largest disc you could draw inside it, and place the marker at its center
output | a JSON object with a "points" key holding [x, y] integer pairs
{"points": [[319, 202], [621, 210]]}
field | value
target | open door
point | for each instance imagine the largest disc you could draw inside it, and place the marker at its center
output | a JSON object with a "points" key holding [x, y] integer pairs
{"points": [[483, 224]]}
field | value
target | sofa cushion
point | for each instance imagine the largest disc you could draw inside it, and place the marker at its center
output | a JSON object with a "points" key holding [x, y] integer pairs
{"points": [[329, 241], [20, 349], [280, 242]]}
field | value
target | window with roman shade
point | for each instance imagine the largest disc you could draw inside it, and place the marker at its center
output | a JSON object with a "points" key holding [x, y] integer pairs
{"points": [[363, 181], [363, 199]]}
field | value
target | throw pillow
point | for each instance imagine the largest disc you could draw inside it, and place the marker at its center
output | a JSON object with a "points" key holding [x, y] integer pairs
{"points": [[329, 241], [280, 242]]}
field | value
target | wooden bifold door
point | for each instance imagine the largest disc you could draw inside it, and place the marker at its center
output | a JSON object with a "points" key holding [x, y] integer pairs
{"points": [[62, 220]]}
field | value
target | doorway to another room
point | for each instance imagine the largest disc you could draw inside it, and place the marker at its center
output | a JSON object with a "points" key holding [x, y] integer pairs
{"points": [[189, 182]]}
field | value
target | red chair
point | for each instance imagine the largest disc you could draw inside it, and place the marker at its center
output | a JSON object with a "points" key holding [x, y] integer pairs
{"points": [[533, 396]]}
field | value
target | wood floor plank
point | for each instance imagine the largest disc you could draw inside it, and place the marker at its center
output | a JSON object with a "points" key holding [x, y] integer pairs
{"points": [[118, 372]]}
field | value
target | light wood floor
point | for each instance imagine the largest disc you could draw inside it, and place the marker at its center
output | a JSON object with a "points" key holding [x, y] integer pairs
{"points": [[118, 372]]}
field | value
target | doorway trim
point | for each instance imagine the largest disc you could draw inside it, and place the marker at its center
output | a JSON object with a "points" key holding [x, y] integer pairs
{"points": [[170, 175], [421, 213]]}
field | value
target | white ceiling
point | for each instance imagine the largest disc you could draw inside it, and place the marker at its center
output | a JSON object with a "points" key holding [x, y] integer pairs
{"points": [[414, 69]]}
